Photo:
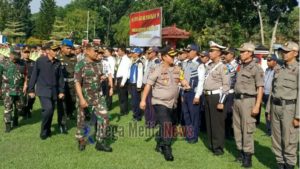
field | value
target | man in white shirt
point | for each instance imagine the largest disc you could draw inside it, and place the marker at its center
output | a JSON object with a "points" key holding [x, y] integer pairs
{"points": [[121, 79], [111, 62]]}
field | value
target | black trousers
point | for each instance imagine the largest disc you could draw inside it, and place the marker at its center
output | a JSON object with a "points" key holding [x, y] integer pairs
{"points": [[67, 106], [135, 101], [164, 117], [229, 112], [105, 90], [215, 122], [123, 96], [48, 106]]}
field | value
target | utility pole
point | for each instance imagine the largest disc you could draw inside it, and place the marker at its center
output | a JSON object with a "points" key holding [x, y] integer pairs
{"points": [[87, 25]]}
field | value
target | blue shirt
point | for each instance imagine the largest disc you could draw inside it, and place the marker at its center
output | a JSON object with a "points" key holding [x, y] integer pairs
{"points": [[269, 74]]}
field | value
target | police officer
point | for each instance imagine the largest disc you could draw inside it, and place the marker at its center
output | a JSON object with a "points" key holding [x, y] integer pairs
{"points": [[194, 74], [135, 83], [48, 78], [66, 105], [153, 61], [164, 80], [248, 96], [216, 87], [91, 101], [232, 65], [284, 108], [29, 64], [15, 77]]}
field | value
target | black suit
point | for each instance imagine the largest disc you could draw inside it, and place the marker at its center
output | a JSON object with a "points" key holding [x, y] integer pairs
{"points": [[47, 76]]}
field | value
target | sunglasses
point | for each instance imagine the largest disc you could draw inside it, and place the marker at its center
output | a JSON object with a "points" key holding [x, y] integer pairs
{"points": [[26, 52]]}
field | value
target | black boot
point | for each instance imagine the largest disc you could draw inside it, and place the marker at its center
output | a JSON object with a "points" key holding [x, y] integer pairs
{"points": [[280, 166], [240, 156], [167, 151], [15, 121], [287, 166], [158, 148], [247, 161], [81, 145], [102, 146], [7, 127], [63, 129]]}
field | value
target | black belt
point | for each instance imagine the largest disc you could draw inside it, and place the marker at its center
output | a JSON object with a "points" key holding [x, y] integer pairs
{"points": [[243, 96], [280, 102]]}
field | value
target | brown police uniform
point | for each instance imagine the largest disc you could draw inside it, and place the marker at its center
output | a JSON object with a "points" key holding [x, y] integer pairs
{"points": [[249, 78], [164, 98], [284, 106], [216, 86]]}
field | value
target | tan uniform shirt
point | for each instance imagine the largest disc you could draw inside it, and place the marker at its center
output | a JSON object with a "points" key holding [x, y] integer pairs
{"points": [[285, 84], [217, 77], [250, 76], [165, 85]]}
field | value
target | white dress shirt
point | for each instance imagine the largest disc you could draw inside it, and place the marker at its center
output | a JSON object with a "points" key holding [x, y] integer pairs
{"points": [[123, 69]]}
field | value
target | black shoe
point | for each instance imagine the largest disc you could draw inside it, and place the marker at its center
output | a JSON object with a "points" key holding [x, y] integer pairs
{"points": [[15, 122], [247, 161], [29, 115], [158, 148], [240, 156], [63, 129], [167, 151], [81, 145], [7, 127], [44, 136], [280, 166], [101, 146], [287, 166], [192, 141], [218, 152]]}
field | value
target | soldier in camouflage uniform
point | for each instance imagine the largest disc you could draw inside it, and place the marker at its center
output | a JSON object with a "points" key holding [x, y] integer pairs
{"points": [[90, 101], [66, 106], [28, 101], [15, 84]]}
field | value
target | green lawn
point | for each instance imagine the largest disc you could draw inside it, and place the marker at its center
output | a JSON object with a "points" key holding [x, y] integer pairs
{"points": [[22, 148]]}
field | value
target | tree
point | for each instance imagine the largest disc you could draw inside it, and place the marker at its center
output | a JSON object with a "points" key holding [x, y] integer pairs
{"points": [[14, 30], [76, 22], [46, 18], [59, 30], [121, 29], [4, 14], [21, 12]]}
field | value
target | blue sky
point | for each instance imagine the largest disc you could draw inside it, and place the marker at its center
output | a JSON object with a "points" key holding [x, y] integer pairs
{"points": [[35, 4]]}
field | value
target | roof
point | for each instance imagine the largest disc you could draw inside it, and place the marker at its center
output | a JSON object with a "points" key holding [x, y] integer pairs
{"points": [[172, 32]]}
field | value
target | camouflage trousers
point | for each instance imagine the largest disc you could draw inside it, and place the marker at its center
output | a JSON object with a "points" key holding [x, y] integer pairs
{"points": [[11, 102], [93, 120]]}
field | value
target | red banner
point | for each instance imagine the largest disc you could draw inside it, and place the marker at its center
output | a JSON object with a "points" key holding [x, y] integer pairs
{"points": [[145, 28]]}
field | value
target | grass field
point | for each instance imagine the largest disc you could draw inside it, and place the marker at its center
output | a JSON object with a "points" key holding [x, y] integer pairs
{"points": [[22, 149]]}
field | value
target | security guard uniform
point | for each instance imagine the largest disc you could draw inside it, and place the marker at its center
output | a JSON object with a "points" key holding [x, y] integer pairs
{"points": [[284, 106]]}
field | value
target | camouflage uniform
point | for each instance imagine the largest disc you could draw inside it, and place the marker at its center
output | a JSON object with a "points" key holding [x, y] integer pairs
{"points": [[68, 66], [86, 75], [14, 75]]}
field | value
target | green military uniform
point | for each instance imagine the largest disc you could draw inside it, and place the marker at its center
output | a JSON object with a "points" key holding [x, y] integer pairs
{"points": [[284, 108], [87, 74], [14, 74], [249, 78]]}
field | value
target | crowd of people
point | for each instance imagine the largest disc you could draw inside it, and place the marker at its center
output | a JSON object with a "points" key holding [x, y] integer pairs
{"points": [[216, 91]]}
